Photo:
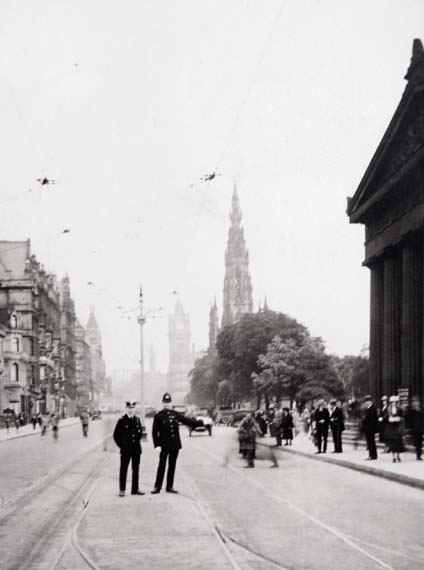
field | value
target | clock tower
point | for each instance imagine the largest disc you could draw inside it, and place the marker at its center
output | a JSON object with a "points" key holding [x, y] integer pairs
{"points": [[180, 353]]}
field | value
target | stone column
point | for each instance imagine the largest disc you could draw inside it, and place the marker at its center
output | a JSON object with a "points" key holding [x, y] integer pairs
{"points": [[392, 323], [412, 315], [376, 329]]}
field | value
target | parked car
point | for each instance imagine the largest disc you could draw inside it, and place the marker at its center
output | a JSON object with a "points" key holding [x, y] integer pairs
{"points": [[207, 422]]}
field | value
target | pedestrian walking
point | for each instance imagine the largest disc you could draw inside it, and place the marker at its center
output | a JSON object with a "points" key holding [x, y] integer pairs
{"points": [[7, 423], [394, 429], [275, 427], [44, 422], [127, 436], [85, 419], [248, 430], [414, 421], [370, 426], [287, 426], [382, 419], [337, 424], [166, 439], [322, 421], [54, 422]]}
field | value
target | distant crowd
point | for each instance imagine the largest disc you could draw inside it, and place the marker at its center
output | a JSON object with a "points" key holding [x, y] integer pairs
{"points": [[391, 423]]}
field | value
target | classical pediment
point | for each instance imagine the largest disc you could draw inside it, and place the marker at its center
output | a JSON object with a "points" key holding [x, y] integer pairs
{"points": [[402, 146]]}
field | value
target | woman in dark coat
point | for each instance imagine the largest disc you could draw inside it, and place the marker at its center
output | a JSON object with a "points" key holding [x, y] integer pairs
{"points": [[287, 426], [394, 429], [248, 431]]}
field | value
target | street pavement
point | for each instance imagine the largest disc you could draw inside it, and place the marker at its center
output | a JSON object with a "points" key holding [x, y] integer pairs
{"points": [[304, 515], [409, 471]]}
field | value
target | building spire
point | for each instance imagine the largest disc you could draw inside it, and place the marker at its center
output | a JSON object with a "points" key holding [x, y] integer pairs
{"points": [[237, 298], [415, 73]]}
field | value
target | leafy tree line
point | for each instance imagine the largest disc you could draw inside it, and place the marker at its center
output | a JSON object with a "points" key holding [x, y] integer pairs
{"points": [[267, 356]]}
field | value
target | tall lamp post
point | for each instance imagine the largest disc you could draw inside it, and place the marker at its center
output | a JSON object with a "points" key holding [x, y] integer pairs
{"points": [[141, 321]]}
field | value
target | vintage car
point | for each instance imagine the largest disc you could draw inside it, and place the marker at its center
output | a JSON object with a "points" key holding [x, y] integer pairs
{"points": [[206, 419]]}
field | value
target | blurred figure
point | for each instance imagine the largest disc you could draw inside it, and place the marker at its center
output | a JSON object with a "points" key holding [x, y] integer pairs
{"points": [[275, 426], [414, 421], [85, 419], [54, 422], [370, 426], [322, 421], [305, 418], [382, 418], [248, 431], [44, 422], [260, 420], [337, 424], [33, 421], [394, 429], [287, 426], [7, 423]]}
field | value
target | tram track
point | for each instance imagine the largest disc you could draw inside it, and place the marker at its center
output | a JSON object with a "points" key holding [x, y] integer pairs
{"points": [[350, 541], [42, 517]]}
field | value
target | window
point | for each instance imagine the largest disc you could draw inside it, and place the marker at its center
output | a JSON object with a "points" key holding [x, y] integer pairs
{"points": [[14, 373], [32, 374], [13, 322], [31, 347], [15, 345]]}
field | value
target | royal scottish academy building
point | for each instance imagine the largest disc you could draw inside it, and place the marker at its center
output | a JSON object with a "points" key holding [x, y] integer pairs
{"points": [[389, 202]]}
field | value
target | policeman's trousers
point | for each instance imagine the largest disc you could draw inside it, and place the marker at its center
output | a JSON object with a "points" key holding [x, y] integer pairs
{"points": [[126, 457], [170, 455]]}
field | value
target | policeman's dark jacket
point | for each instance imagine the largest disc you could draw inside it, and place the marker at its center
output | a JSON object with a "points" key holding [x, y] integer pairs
{"points": [[127, 434], [165, 430]]}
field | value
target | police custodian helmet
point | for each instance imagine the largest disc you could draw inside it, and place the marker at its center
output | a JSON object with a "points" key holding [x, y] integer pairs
{"points": [[166, 399]]}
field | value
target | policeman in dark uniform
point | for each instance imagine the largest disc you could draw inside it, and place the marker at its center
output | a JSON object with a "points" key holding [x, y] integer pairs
{"points": [[127, 436], [166, 436]]}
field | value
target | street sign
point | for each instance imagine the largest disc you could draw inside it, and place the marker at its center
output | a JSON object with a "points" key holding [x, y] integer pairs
{"points": [[403, 394]]}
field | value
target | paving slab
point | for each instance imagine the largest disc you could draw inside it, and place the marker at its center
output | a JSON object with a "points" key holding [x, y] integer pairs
{"points": [[163, 531]]}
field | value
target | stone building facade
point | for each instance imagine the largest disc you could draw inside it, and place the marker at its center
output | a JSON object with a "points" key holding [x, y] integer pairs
{"points": [[390, 203], [237, 292], [84, 391], [30, 312]]}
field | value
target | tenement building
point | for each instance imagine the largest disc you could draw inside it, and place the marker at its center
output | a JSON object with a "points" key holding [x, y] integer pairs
{"points": [[390, 203], [237, 292]]}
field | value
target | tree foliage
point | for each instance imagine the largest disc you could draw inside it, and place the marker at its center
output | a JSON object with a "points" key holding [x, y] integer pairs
{"points": [[298, 371], [240, 345], [204, 381], [354, 373]]}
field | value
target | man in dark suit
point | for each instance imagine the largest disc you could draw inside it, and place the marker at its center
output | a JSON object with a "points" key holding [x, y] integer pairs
{"points": [[127, 436], [337, 425], [370, 426], [322, 421], [166, 438]]}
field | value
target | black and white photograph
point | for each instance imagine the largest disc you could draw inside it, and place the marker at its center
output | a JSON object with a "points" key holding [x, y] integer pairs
{"points": [[211, 284]]}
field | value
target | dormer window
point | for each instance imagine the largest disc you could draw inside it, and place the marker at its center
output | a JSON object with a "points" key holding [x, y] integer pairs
{"points": [[13, 322]]}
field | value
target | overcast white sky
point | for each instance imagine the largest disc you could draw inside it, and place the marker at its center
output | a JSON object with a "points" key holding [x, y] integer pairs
{"points": [[126, 105]]}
